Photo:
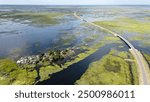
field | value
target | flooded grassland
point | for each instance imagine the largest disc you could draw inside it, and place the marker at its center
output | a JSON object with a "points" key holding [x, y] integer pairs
{"points": [[48, 45]]}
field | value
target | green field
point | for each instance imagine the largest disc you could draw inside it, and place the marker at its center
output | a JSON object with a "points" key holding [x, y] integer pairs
{"points": [[11, 73], [112, 69], [126, 24]]}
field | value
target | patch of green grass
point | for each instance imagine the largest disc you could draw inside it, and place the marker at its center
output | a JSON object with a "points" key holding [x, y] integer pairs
{"points": [[67, 39], [135, 74], [7, 66], [45, 18], [111, 69], [111, 38], [88, 39], [46, 71], [91, 38], [147, 56], [126, 24], [11, 73], [137, 38]]}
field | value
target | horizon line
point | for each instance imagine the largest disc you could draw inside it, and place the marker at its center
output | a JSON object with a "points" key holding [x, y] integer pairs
{"points": [[78, 4]]}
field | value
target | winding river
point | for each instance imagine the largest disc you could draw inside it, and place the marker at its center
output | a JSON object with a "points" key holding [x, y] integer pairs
{"points": [[74, 72]]}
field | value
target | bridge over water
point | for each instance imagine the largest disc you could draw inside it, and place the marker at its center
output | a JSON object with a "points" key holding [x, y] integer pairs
{"points": [[142, 65]]}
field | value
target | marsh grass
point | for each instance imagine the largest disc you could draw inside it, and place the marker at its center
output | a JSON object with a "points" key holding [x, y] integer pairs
{"points": [[11, 73], [111, 69], [126, 24], [147, 57], [91, 38], [44, 18]]}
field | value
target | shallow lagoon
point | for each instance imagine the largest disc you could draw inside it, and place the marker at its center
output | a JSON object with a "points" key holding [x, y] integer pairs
{"points": [[24, 37]]}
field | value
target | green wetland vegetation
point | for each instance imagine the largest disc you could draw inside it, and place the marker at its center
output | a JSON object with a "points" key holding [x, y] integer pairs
{"points": [[147, 57], [36, 18], [47, 41], [126, 24], [26, 74], [113, 68], [11, 73]]}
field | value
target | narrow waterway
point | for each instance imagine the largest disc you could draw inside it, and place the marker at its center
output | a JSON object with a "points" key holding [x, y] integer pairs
{"points": [[74, 72]]}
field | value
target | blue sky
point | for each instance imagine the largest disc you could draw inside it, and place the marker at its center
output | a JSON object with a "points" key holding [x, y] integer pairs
{"points": [[77, 2]]}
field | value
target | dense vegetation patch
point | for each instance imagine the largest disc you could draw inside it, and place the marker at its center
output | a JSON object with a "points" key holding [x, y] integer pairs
{"points": [[147, 57], [11, 73], [111, 69], [91, 38], [126, 24]]}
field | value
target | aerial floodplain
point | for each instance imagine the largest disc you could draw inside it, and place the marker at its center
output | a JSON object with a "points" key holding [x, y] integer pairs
{"points": [[74, 45]]}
